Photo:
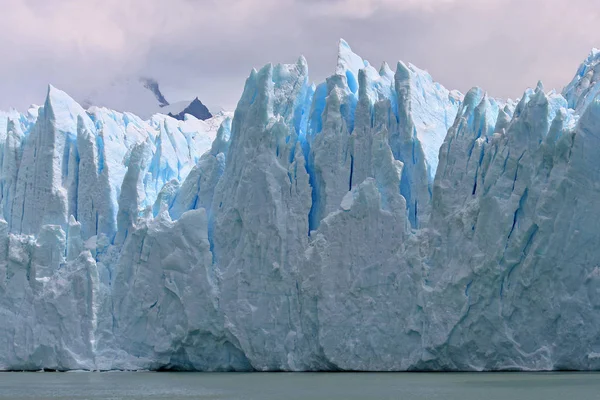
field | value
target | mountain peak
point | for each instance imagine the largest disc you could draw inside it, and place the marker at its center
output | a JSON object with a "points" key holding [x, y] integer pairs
{"points": [[195, 108]]}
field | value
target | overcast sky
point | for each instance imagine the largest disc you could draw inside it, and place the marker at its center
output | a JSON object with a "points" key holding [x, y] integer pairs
{"points": [[206, 48]]}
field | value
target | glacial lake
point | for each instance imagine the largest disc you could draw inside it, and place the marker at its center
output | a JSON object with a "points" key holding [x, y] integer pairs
{"points": [[330, 386]]}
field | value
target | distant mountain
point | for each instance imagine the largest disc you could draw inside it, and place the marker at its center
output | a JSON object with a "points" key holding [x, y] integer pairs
{"points": [[195, 108], [140, 96], [143, 97]]}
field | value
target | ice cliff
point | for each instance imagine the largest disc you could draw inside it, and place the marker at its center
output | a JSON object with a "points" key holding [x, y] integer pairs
{"points": [[375, 221]]}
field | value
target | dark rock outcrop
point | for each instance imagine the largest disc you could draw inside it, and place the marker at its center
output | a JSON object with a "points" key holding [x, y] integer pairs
{"points": [[196, 108]]}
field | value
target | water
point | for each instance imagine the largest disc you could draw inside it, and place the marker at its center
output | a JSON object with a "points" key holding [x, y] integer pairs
{"points": [[176, 386]]}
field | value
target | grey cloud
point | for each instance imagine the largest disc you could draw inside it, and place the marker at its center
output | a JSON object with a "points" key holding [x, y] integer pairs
{"points": [[207, 47]]}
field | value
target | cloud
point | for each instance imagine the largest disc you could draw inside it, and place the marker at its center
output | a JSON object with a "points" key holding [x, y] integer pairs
{"points": [[208, 47], [69, 43], [366, 8]]}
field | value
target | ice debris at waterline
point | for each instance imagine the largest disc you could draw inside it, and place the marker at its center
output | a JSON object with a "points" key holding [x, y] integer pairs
{"points": [[376, 222]]}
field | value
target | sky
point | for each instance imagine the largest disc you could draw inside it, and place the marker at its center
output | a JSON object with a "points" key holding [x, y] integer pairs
{"points": [[207, 48]]}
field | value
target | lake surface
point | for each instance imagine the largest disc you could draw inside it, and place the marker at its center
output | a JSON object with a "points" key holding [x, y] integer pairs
{"points": [[330, 386]]}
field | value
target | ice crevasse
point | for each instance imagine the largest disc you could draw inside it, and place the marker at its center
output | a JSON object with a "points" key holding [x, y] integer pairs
{"points": [[373, 222]]}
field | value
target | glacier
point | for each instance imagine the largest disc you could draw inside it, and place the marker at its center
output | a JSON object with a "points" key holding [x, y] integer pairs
{"points": [[375, 221]]}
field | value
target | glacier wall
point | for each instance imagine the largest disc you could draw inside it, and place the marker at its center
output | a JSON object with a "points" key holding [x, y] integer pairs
{"points": [[373, 222]]}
